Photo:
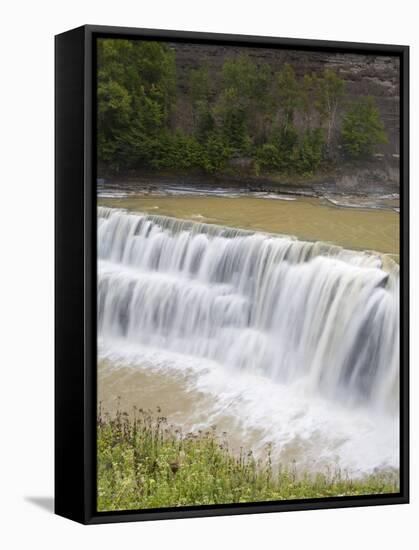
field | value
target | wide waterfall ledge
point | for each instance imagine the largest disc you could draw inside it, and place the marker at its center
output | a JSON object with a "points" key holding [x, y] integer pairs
{"points": [[285, 320]]}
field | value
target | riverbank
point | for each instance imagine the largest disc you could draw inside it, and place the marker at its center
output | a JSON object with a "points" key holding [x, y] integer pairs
{"points": [[374, 178], [143, 462]]}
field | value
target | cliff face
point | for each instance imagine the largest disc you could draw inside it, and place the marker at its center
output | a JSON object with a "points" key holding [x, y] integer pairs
{"points": [[377, 76]]}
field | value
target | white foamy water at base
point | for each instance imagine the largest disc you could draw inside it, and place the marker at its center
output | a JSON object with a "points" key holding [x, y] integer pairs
{"points": [[292, 343], [312, 433]]}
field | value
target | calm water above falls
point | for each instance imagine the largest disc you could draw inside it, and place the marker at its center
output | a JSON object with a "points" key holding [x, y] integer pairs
{"points": [[308, 218], [282, 320]]}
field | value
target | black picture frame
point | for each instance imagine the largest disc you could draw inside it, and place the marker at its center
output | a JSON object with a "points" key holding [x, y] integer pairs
{"points": [[75, 274]]}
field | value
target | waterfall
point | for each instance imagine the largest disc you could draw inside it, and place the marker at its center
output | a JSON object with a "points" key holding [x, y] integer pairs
{"points": [[256, 302]]}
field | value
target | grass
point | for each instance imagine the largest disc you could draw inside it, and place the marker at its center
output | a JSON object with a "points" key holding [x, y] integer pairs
{"points": [[143, 462]]}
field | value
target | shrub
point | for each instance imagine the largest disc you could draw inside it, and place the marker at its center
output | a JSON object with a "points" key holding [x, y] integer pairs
{"points": [[145, 463], [362, 129]]}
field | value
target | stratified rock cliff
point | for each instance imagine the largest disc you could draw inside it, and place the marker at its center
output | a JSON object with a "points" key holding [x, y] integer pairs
{"points": [[377, 76]]}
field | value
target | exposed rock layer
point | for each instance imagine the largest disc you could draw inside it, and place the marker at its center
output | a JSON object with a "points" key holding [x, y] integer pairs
{"points": [[377, 76]]}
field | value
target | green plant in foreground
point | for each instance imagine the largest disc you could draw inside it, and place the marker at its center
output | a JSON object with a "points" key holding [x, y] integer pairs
{"points": [[145, 463]]}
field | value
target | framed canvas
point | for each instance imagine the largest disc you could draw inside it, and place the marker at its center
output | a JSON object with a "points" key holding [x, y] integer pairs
{"points": [[231, 274]]}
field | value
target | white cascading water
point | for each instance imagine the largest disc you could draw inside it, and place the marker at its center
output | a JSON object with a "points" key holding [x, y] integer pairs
{"points": [[288, 311]]}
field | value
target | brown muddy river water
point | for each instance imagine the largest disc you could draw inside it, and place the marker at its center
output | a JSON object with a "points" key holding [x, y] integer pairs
{"points": [[310, 219], [150, 358]]}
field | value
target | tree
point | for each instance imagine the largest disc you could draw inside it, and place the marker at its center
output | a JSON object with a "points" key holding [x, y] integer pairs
{"points": [[311, 151], [281, 152], [155, 63], [331, 91], [288, 94], [217, 152], [362, 129], [200, 94], [199, 85], [243, 89], [114, 110], [243, 75], [234, 120], [136, 90], [309, 100]]}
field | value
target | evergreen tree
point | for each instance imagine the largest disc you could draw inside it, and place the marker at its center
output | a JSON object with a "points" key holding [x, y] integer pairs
{"points": [[200, 94], [362, 129], [136, 89], [287, 94], [243, 89]]}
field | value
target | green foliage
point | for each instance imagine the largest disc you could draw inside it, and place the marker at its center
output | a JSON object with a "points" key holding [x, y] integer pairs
{"points": [[268, 157], [283, 123], [136, 89], [199, 85], [309, 99], [300, 151], [200, 94], [281, 152], [155, 63], [311, 151], [176, 151], [234, 121], [145, 463], [287, 94], [114, 110], [286, 140], [244, 76], [244, 88], [362, 129], [217, 153], [331, 89], [290, 153], [232, 116], [205, 123]]}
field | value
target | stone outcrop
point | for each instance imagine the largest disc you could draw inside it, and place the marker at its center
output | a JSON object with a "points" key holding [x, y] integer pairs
{"points": [[377, 76]]}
